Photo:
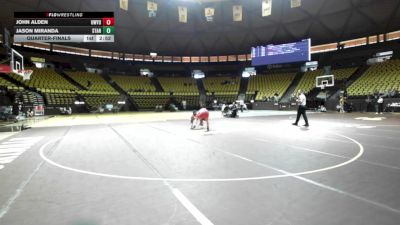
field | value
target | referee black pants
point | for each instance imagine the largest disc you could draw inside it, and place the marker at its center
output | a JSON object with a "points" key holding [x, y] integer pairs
{"points": [[301, 111], [380, 107]]}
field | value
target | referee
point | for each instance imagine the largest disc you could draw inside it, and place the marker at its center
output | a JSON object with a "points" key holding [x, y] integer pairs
{"points": [[301, 100]]}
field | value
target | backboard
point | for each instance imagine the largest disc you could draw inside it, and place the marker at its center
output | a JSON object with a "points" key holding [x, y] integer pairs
{"points": [[325, 81], [17, 61], [17, 65]]}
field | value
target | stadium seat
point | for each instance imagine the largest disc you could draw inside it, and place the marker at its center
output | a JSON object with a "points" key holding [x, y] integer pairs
{"points": [[91, 81], [307, 82], [178, 84], [149, 100], [269, 84], [222, 84], [132, 83], [225, 89], [382, 77], [343, 74], [46, 78]]}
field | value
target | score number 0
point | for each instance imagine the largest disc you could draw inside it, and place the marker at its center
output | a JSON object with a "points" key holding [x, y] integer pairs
{"points": [[108, 21]]}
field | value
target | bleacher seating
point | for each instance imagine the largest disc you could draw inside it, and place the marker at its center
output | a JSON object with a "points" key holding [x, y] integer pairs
{"points": [[91, 81], [192, 99], [149, 100], [7, 84], [134, 83], [46, 78], [28, 98], [250, 95], [270, 84], [223, 97], [343, 74], [307, 82], [94, 99], [222, 84], [382, 77], [225, 89], [55, 88], [178, 84], [59, 98]]}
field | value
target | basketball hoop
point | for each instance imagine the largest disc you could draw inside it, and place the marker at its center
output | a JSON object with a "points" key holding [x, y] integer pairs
{"points": [[324, 81], [26, 74]]}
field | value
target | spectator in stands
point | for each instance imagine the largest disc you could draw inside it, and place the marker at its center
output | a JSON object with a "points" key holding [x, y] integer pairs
{"points": [[302, 101]]}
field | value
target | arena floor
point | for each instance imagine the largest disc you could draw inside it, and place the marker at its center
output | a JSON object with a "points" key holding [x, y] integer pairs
{"points": [[150, 168]]}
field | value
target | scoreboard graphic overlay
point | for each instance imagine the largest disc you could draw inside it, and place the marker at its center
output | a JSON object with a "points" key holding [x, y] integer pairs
{"points": [[64, 26], [284, 53]]}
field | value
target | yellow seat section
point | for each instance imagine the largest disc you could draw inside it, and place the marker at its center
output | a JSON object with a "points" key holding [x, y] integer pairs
{"points": [[94, 99], [382, 77], [134, 83], [149, 100], [343, 74], [178, 84], [91, 81], [55, 88], [222, 84], [7, 84], [192, 99], [46, 78], [223, 97], [60, 98], [269, 84], [307, 82]]}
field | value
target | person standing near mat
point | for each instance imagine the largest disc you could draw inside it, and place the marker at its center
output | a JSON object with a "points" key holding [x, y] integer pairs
{"points": [[380, 104], [301, 110]]}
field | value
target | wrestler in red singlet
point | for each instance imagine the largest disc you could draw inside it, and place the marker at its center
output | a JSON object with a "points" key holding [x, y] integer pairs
{"points": [[201, 115]]}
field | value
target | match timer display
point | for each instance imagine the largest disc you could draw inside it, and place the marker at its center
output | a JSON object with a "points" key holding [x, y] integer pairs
{"points": [[64, 27]]}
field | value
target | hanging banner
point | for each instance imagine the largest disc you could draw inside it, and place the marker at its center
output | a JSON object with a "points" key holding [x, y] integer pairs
{"points": [[152, 8], [237, 13], [295, 3], [209, 13], [266, 7], [123, 4], [182, 14]]}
